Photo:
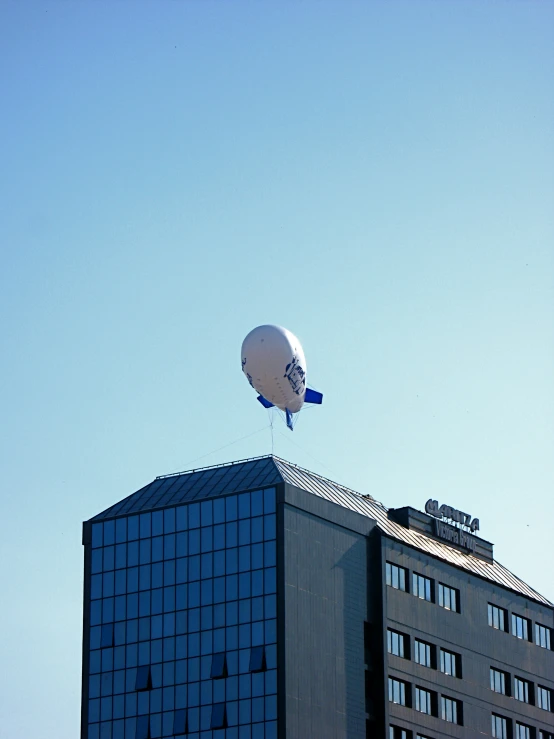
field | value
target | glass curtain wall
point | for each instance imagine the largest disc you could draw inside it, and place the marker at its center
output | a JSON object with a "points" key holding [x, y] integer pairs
{"points": [[183, 628]]}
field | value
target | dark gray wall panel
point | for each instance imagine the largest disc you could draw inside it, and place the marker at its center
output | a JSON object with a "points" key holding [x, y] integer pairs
{"points": [[325, 609]]}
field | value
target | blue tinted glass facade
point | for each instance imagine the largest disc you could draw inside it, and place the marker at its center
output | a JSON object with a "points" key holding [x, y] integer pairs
{"points": [[181, 601]]}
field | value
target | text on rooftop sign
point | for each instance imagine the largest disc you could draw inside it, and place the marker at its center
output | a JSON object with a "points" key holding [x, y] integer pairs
{"points": [[451, 514], [455, 536]]}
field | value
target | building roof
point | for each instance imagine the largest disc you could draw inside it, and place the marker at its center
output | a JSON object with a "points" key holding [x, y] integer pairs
{"points": [[209, 482]]}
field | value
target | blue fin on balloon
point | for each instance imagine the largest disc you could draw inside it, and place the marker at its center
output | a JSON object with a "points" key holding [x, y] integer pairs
{"points": [[289, 418], [312, 396], [264, 402]]}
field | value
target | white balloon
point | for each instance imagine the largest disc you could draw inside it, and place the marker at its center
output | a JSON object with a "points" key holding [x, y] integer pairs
{"points": [[274, 364]]}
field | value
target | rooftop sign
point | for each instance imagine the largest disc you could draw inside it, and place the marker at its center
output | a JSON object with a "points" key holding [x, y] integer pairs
{"points": [[453, 534], [451, 514]]}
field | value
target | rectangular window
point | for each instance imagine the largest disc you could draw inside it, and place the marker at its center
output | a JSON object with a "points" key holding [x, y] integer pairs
{"points": [[397, 691], [396, 576], [395, 732], [543, 636], [424, 701], [522, 731], [451, 663], [422, 587], [520, 627], [451, 710], [219, 716], [180, 722], [143, 680], [521, 690], [219, 666], [498, 618], [498, 681], [449, 598], [143, 727], [257, 660], [397, 643], [499, 727], [422, 653], [106, 639], [546, 735], [544, 698]]}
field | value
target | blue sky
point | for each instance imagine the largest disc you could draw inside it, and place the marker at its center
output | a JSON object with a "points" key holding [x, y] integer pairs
{"points": [[375, 176]]}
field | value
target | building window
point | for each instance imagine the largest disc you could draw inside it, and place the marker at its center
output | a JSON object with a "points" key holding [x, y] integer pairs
{"points": [[396, 576], [180, 722], [219, 666], [522, 731], [451, 663], [219, 716], [425, 701], [449, 598], [143, 727], [498, 681], [143, 680], [395, 732], [498, 618], [544, 698], [546, 735], [520, 627], [543, 636], [257, 660], [421, 587], [451, 710], [423, 653], [499, 727], [522, 690], [397, 643], [397, 691], [106, 637]]}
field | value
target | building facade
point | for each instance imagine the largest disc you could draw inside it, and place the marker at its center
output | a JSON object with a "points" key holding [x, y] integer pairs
{"points": [[258, 600]]}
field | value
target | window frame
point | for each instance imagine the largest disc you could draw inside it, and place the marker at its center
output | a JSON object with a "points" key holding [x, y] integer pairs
{"points": [[525, 687], [527, 731], [547, 632], [402, 576], [455, 660], [541, 690], [457, 710], [420, 582], [505, 681], [402, 641], [430, 701], [516, 620], [505, 733], [494, 613], [398, 732], [429, 648], [452, 593], [403, 691]]}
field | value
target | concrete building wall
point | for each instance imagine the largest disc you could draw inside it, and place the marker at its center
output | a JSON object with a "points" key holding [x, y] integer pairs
{"points": [[325, 607]]}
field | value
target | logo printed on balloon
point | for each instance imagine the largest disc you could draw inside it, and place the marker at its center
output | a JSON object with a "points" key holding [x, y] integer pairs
{"points": [[269, 355]]}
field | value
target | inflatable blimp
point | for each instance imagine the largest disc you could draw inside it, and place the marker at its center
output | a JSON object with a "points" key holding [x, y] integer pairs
{"points": [[274, 364]]}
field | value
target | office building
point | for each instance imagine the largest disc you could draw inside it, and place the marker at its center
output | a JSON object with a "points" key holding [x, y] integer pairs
{"points": [[258, 600]]}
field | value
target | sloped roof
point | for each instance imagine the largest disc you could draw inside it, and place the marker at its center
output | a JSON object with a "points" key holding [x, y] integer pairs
{"points": [[209, 482]]}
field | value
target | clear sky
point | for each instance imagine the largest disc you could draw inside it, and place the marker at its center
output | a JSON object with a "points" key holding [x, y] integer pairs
{"points": [[375, 176]]}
